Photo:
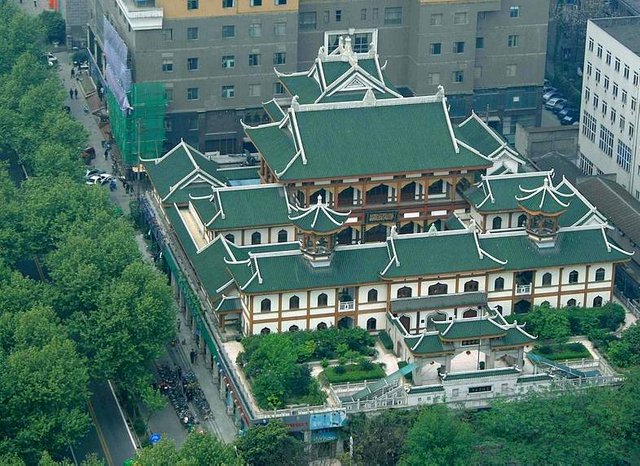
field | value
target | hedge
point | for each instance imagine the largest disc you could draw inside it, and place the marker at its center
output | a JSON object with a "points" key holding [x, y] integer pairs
{"points": [[385, 339], [563, 351], [353, 373]]}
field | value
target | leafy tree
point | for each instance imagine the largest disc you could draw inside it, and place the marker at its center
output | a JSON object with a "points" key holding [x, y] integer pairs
{"points": [[378, 439], [43, 387], [270, 444], [203, 449], [54, 26], [438, 437], [10, 239], [130, 327], [548, 323], [625, 352], [20, 33], [163, 453]]}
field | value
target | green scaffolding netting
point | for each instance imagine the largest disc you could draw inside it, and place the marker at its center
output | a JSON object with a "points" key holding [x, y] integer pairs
{"points": [[139, 132]]}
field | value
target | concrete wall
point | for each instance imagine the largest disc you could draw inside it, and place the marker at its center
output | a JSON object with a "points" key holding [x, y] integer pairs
{"points": [[538, 141]]}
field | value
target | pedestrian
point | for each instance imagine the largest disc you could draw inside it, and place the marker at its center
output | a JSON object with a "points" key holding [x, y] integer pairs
{"points": [[179, 371], [193, 356], [75, 93], [178, 323], [73, 73], [106, 154], [71, 93], [35, 3]]}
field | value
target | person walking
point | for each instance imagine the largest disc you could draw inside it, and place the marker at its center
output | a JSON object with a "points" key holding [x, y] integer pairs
{"points": [[73, 73], [71, 94], [75, 93], [106, 154], [193, 356], [35, 3]]}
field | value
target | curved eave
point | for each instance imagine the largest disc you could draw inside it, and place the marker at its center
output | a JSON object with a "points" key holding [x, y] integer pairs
{"points": [[541, 211]]}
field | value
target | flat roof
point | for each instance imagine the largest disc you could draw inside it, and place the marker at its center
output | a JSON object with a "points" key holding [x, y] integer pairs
{"points": [[624, 30]]}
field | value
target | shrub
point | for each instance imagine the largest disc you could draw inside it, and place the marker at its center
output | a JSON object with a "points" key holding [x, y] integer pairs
{"points": [[563, 351], [353, 373], [385, 339], [324, 363], [339, 369], [366, 365]]}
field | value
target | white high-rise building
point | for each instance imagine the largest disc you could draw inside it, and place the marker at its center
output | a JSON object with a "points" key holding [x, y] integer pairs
{"points": [[610, 118]]}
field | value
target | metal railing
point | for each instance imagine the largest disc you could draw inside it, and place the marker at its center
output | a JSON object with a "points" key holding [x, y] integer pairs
{"points": [[523, 289], [347, 305]]}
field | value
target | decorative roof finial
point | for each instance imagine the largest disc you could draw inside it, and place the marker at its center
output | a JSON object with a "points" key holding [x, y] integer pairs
{"points": [[322, 54], [341, 44], [440, 93], [394, 232], [319, 199], [347, 45], [372, 50]]}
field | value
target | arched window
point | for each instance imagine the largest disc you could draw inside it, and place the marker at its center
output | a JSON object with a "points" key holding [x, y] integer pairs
{"points": [[372, 295], [229, 237], [546, 279], [294, 328], [600, 274], [371, 324], [438, 288], [498, 284], [265, 331], [294, 302], [322, 300], [597, 301], [471, 285], [283, 236], [265, 305], [321, 326], [499, 309], [573, 276], [545, 304], [404, 292], [497, 223], [522, 220], [256, 238], [470, 313], [571, 303]]}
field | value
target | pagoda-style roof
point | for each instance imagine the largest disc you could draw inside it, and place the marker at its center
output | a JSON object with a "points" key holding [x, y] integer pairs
{"points": [[475, 133], [319, 218], [180, 168], [442, 340], [231, 208], [339, 76], [544, 200], [499, 193], [370, 137]]}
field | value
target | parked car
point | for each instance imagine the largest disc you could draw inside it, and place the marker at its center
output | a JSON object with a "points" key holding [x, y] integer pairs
{"points": [[93, 171], [100, 178], [551, 102], [566, 110], [570, 118], [52, 59], [551, 94], [560, 104]]}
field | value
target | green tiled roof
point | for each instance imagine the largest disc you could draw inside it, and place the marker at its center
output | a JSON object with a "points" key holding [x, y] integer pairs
{"points": [[454, 223], [353, 96], [318, 218], [427, 344], [229, 304], [504, 190], [184, 195], [481, 374], [460, 329], [334, 69], [273, 109], [342, 142], [533, 378], [544, 199], [475, 135], [438, 302], [513, 337], [426, 389], [239, 173], [571, 248], [244, 207], [169, 170], [306, 88]]}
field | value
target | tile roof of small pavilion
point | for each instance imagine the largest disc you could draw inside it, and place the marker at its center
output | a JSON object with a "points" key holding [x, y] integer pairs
{"points": [[545, 199], [182, 167], [338, 76], [364, 138], [479, 136], [318, 218], [502, 193]]}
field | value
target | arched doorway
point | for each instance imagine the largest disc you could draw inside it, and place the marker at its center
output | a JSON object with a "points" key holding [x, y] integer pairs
{"points": [[407, 228], [313, 199], [376, 234], [406, 322], [469, 313], [379, 195], [371, 324], [265, 331], [345, 322], [294, 328], [408, 192], [321, 326], [349, 197], [522, 307], [348, 235]]}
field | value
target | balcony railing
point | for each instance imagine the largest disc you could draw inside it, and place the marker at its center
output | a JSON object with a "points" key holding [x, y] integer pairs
{"points": [[523, 289], [347, 305]]}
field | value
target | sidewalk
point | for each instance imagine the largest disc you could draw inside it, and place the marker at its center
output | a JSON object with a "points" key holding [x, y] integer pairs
{"points": [[165, 421]]}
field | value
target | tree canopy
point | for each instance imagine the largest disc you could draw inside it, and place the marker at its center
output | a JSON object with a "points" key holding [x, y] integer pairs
{"points": [[199, 449], [270, 444]]}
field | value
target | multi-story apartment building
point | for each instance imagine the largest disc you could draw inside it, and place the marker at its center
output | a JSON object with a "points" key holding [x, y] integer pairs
{"points": [[610, 92], [216, 59]]}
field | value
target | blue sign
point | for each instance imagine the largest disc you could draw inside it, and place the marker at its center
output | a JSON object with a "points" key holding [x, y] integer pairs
{"points": [[327, 420], [154, 438]]}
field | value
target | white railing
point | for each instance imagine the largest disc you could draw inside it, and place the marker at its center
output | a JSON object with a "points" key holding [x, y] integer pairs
{"points": [[523, 289], [347, 305]]}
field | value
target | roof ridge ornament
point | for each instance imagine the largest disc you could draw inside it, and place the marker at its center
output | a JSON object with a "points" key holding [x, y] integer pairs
{"points": [[440, 93], [369, 98]]}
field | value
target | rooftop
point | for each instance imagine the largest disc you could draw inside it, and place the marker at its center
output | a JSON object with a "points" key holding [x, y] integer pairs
{"points": [[624, 30]]}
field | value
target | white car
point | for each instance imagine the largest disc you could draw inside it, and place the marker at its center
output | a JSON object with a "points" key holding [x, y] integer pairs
{"points": [[52, 59], [100, 178]]}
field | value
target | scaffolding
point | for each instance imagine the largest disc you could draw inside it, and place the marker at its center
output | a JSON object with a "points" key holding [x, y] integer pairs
{"points": [[139, 131]]}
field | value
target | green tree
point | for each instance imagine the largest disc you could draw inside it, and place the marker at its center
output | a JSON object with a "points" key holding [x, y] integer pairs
{"points": [[270, 444], [203, 449], [54, 26], [43, 387], [625, 352], [10, 215], [130, 327], [549, 323], [438, 437], [20, 33], [163, 453]]}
